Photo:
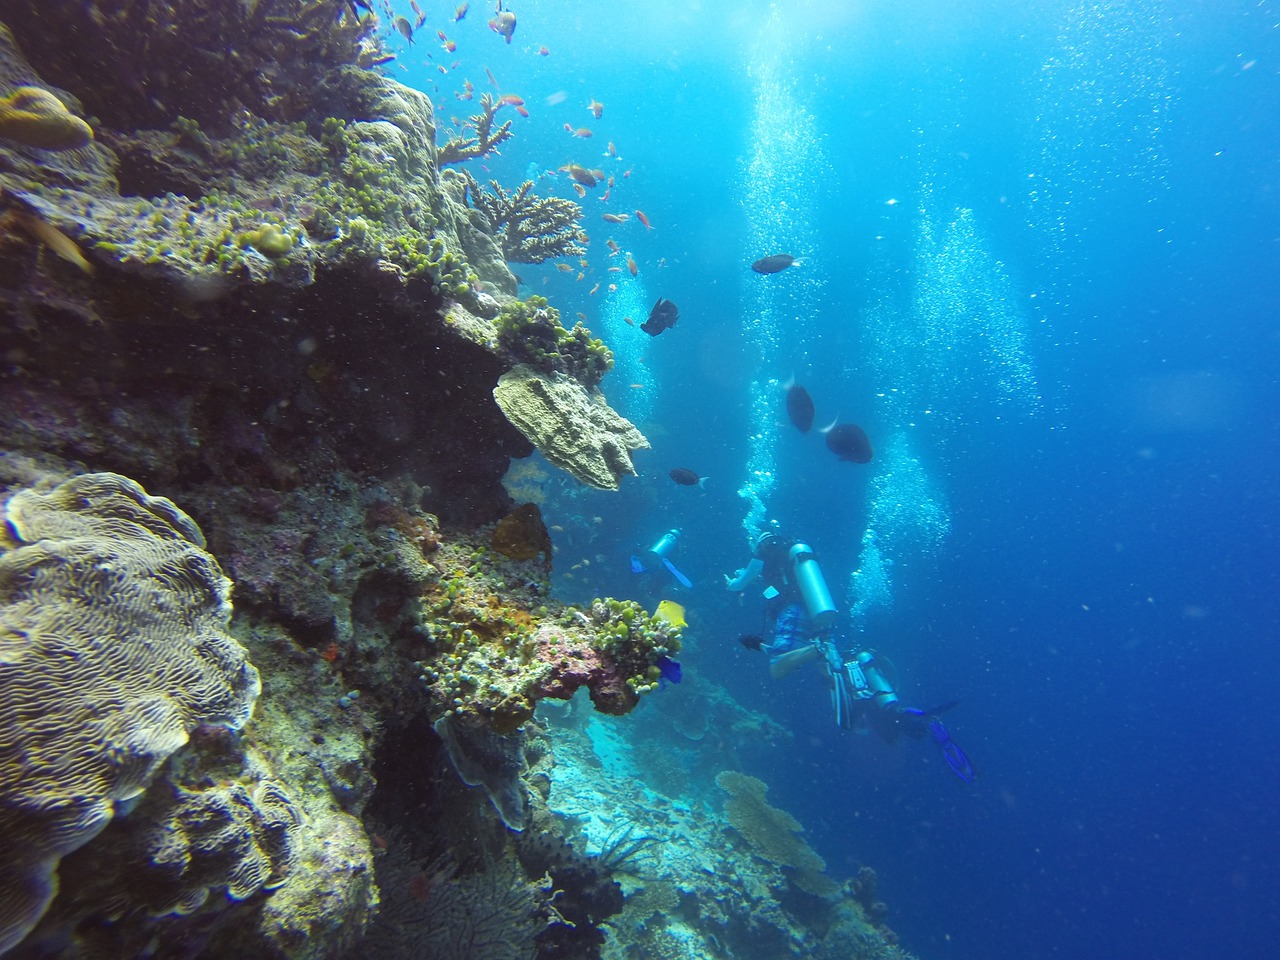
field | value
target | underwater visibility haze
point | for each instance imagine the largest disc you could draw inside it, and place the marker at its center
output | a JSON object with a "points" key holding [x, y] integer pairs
{"points": [[871, 404]]}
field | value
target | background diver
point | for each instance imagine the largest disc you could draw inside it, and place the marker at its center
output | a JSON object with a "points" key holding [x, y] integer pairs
{"points": [[800, 617]]}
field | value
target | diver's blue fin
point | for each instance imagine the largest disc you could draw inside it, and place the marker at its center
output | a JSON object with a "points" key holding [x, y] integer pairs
{"points": [[636, 565], [684, 581]]}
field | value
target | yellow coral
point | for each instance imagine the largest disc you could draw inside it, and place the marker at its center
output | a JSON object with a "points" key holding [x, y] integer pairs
{"points": [[34, 117]]}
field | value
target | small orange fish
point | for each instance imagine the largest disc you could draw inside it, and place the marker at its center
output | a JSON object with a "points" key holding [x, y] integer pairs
{"points": [[599, 174], [442, 68], [580, 190], [582, 316], [605, 198], [450, 46], [629, 321], [582, 132], [461, 11], [422, 17], [631, 265], [466, 84], [581, 275], [580, 175], [564, 268], [492, 78], [584, 263], [627, 173], [643, 219], [613, 246], [511, 100], [522, 111], [593, 290], [544, 52], [615, 269], [613, 151], [609, 183], [615, 217], [596, 108], [613, 288], [440, 34]]}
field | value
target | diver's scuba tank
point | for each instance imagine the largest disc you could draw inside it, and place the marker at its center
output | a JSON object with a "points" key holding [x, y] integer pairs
{"points": [[666, 543], [872, 671], [813, 587]]}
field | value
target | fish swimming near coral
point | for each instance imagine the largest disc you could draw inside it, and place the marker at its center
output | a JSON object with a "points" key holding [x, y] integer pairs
{"points": [[775, 264], [672, 613], [669, 671], [663, 316], [799, 407], [849, 442], [687, 478], [404, 28]]}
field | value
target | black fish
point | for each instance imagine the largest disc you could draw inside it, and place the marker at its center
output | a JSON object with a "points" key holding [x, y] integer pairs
{"points": [[663, 315], [774, 264], [848, 441], [686, 478], [800, 407]]}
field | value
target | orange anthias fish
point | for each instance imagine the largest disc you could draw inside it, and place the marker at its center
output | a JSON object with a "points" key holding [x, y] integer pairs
{"points": [[631, 265], [615, 217], [613, 151], [511, 100], [593, 290], [417, 10], [461, 11], [613, 288], [581, 132], [580, 190], [643, 219], [471, 90], [450, 46], [615, 270], [596, 108], [613, 247]]}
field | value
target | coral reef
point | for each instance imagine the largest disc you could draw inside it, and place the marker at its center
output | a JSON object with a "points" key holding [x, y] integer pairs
{"points": [[774, 834], [484, 139], [530, 229], [114, 650], [34, 117], [530, 332], [574, 429]]}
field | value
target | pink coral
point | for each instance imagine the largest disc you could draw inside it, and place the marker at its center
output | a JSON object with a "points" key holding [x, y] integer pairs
{"points": [[575, 663]]}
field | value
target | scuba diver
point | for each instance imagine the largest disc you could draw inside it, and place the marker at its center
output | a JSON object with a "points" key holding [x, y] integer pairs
{"points": [[800, 618]]}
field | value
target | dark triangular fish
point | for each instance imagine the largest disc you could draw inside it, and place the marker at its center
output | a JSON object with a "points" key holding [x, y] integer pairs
{"points": [[663, 315], [774, 264], [687, 478], [800, 407], [848, 441]]}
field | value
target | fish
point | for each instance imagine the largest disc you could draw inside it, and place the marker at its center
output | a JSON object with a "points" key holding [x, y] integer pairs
{"points": [[596, 108], [612, 151], [628, 321], [670, 671], [580, 175], [636, 386], [849, 442], [593, 290], [469, 88], [663, 315], [382, 60], [511, 99], [672, 613], [613, 247], [615, 270], [582, 132], [631, 265], [640, 215], [687, 478], [775, 263], [450, 46], [523, 111], [461, 12], [564, 268], [582, 316], [50, 236], [404, 28], [492, 78], [613, 288], [615, 217], [799, 407], [503, 23], [580, 190], [544, 52]]}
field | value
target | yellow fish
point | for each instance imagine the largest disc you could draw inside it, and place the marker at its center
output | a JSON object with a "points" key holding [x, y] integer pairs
{"points": [[671, 612]]}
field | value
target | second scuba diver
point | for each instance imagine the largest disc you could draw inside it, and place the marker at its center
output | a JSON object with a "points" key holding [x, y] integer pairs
{"points": [[800, 618]]}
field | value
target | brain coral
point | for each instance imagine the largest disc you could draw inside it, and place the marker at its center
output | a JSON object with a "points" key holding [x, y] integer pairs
{"points": [[113, 648]]}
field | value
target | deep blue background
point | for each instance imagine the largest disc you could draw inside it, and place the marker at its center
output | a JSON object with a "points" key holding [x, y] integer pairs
{"points": [[1106, 602]]}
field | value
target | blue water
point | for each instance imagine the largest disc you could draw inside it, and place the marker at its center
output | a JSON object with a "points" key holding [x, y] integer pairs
{"points": [[1041, 244]]}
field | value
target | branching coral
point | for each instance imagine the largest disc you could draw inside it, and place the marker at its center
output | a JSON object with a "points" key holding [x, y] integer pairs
{"points": [[484, 141], [531, 229]]}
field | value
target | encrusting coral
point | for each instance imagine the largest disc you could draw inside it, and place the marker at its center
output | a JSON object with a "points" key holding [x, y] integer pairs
{"points": [[34, 117], [531, 229], [113, 649]]}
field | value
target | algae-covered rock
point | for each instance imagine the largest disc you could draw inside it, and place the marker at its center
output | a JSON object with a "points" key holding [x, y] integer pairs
{"points": [[575, 428]]}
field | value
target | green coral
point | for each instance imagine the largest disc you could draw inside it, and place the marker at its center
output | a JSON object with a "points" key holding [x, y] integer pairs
{"points": [[634, 639], [269, 240], [530, 331]]}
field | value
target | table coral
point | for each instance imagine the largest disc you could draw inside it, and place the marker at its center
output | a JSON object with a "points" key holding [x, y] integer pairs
{"points": [[113, 648]]}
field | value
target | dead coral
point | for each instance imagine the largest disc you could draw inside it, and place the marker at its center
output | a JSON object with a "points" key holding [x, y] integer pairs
{"points": [[531, 229], [483, 141]]}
